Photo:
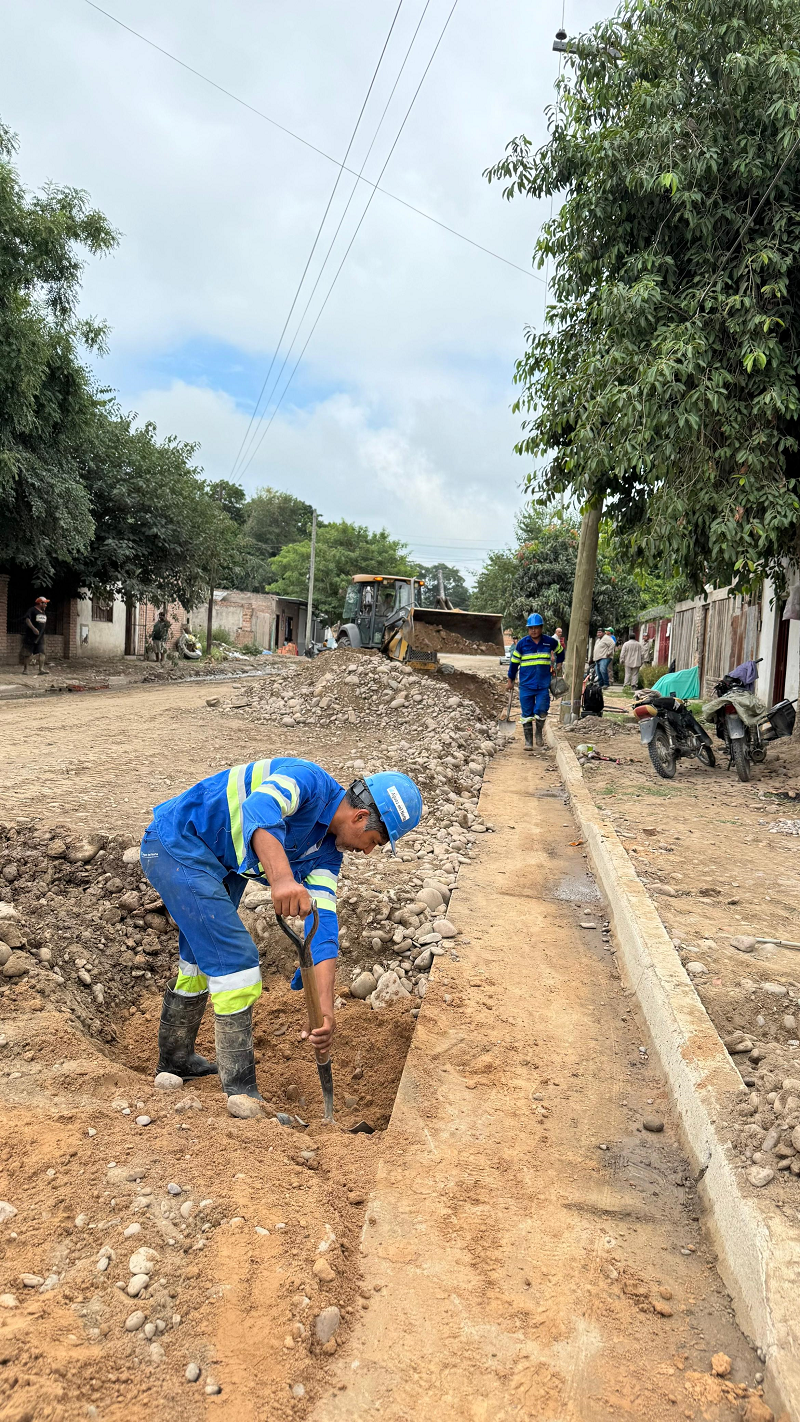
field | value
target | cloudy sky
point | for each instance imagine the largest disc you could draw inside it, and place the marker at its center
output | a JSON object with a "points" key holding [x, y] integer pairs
{"points": [[399, 411]]}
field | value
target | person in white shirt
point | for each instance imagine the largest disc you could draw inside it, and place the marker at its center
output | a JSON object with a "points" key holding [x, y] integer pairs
{"points": [[602, 654], [631, 656]]}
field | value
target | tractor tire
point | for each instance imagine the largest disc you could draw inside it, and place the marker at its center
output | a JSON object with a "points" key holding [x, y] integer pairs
{"points": [[343, 641]]}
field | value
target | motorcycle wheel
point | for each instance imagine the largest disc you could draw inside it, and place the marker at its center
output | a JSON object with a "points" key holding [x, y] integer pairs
{"points": [[740, 759], [662, 755], [706, 757]]}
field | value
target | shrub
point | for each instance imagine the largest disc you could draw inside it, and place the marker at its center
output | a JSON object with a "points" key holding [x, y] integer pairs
{"points": [[650, 674], [251, 649], [221, 634]]}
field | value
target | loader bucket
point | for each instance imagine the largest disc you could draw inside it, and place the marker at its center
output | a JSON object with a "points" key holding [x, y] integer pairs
{"points": [[476, 633]]}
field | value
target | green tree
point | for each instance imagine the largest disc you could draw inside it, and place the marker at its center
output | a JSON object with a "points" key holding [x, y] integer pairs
{"points": [[232, 497], [539, 575], [666, 382], [494, 583], [47, 401], [454, 586], [342, 549], [274, 518]]}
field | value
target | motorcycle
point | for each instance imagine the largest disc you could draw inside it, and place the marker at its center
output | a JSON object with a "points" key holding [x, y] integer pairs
{"points": [[670, 731], [742, 722]]}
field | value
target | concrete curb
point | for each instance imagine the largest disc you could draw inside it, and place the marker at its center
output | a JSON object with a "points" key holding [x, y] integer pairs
{"points": [[757, 1246]]}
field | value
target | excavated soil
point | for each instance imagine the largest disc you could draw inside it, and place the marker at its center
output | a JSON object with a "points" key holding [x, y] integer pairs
{"points": [[705, 846], [238, 1213]]}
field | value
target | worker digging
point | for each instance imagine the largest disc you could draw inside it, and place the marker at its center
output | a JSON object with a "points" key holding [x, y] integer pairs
{"points": [[285, 822], [534, 658]]}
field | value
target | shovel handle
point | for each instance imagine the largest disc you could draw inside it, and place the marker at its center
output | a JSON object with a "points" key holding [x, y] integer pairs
{"points": [[309, 977]]}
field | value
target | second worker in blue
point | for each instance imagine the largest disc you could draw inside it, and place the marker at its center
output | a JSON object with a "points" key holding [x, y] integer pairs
{"points": [[534, 658]]}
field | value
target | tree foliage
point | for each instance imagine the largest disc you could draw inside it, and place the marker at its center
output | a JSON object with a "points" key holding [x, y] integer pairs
{"points": [[274, 518], [667, 379], [342, 549], [47, 402], [538, 576], [454, 586]]}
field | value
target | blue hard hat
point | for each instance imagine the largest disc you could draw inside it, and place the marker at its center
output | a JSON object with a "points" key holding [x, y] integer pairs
{"points": [[535, 620], [397, 800]]}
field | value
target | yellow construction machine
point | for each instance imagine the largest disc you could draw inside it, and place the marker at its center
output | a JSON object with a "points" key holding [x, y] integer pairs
{"points": [[385, 613]]}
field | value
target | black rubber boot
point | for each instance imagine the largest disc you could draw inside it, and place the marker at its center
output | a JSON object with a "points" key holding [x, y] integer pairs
{"points": [[235, 1060], [177, 1031], [527, 731], [540, 730]]}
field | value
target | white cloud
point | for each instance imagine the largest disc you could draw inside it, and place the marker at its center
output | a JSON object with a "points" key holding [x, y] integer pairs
{"points": [[217, 211]]}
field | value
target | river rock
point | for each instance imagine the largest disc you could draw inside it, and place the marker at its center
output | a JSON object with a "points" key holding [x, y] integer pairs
{"points": [[5, 954], [743, 943], [423, 962], [168, 1081], [141, 1262], [696, 970], [445, 927], [760, 1175], [244, 1108], [389, 989], [56, 849], [192, 1373], [653, 1123], [775, 989], [431, 898], [327, 1324], [136, 1284], [131, 856], [323, 1271], [134, 1321], [17, 965], [11, 936], [363, 986]]}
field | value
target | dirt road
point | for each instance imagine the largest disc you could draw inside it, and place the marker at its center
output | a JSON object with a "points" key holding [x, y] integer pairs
{"points": [[536, 1253], [529, 1252]]}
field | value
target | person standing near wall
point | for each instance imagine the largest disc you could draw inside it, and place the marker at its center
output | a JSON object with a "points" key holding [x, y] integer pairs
{"points": [[160, 635], [33, 630], [631, 657]]}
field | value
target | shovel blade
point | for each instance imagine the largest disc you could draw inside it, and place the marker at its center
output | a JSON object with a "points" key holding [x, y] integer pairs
{"points": [[326, 1081], [363, 1128]]}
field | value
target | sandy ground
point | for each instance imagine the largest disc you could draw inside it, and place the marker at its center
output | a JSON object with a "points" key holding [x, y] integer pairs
{"points": [[514, 1206], [537, 1253], [704, 846]]}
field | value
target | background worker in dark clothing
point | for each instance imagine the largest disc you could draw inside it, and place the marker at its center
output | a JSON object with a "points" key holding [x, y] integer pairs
{"points": [[33, 630], [160, 635]]}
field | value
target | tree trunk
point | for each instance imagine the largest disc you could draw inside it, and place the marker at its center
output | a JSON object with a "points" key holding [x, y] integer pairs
{"points": [[582, 591], [210, 622]]}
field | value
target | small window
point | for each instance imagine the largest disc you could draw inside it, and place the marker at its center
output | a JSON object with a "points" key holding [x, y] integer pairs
{"points": [[102, 611], [352, 602]]}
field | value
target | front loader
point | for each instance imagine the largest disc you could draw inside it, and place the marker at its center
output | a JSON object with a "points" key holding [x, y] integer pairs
{"points": [[384, 612]]}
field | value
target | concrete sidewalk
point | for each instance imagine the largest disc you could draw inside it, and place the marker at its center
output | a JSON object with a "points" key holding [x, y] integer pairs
{"points": [[529, 1251]]}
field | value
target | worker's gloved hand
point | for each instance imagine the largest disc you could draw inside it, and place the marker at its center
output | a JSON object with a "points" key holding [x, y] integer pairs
{"points": [[290, 899], [323, 1035]]}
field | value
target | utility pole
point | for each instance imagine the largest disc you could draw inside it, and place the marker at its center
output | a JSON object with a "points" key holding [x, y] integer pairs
{"points": [[311, 576], [582, 590]]}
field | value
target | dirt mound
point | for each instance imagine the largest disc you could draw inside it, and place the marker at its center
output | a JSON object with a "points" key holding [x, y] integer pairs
{"points": [[428, 638]]}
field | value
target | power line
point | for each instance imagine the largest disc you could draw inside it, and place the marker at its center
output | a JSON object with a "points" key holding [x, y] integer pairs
{"points": [[317, 237], [339, 225], [307, 144], [353, 238]]}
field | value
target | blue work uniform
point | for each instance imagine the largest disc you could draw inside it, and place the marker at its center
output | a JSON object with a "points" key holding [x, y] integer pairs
{"points": [[532, 660], [197, 854]]}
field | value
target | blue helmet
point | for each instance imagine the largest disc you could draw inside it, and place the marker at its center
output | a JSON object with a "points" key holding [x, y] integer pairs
{"points": [[535, 620], [397, 800]]}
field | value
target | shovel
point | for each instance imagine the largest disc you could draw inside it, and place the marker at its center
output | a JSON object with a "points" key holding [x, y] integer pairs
{"points": [[505, 724], [313, 1008]]}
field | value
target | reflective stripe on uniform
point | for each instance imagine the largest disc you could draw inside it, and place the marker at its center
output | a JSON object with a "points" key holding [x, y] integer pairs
{"points": [[284, 790], [236, 797], [233, 992], [321, 885], [190, 982]]}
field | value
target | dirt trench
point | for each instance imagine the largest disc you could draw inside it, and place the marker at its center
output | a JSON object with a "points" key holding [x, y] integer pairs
{"points": [[479, 1283]]}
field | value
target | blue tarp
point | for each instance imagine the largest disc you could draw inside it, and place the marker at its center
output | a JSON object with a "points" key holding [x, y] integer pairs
{"points": [[685, 684]]}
